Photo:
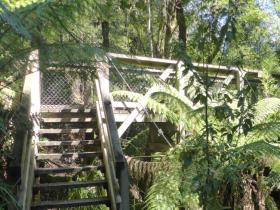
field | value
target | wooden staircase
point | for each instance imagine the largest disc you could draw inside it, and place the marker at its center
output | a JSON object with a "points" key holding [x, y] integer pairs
{"points": [[71, 158], [68, 146]]}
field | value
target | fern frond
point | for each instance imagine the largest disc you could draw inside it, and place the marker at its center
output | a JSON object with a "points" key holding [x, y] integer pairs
{"points": [[7, 197], [261, 148], [163, 110], [169, 92], [266, 107], [153, 105], [268, 131], [13, 20], [177, 190]]}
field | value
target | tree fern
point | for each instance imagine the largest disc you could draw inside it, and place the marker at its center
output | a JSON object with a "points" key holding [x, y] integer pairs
{"points": [[173, 114], [268, 131], [266, 107], [13, 20]]}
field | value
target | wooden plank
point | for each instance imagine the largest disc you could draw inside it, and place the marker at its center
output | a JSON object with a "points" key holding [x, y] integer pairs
{"points": [[63, 109], [228, 80], [121, 117], [42, 171], [73, 155], [67, 143], [124, 105], [67, 119], [222, 69], [147, 70], [70, 203], [148, 61], [141, 60], [58, 131], [60, 185]]}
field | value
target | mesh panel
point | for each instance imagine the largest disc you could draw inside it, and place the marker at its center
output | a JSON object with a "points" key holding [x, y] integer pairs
{"points": [[65, 87], [139, 80], [75, 87]]}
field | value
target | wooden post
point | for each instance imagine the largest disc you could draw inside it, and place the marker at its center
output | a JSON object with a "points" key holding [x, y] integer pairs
{"points": [[31, 99], [180, 87], [240, 75], [115, 163], [35, 98], [103, 76]]}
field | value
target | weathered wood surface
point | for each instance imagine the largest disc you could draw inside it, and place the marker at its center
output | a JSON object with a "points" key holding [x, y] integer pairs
{"points": [[108, 157], [77, 184], [159, 62], [67, 143], [67, 119], [72, 155], [31, 99], [58, 131], [70, 203], [115, 163], [63, 170]]}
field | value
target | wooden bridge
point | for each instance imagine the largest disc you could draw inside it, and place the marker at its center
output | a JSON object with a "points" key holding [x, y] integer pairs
{"points": [[74, 141]]}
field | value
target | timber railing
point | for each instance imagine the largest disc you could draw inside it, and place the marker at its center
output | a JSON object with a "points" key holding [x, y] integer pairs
{"points": [[31, 104], [238, 76], [218, 72], [114, 160]]}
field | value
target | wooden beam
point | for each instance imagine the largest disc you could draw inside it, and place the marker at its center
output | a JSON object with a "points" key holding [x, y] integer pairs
{"points": [[121, 117], [141, 60], [159, 62]]}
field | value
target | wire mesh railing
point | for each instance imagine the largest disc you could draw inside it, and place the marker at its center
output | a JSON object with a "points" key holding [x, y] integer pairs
{"points": [[67, 87], [140, 80]]}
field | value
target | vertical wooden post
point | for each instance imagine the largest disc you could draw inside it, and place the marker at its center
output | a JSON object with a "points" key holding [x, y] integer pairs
{"points": [[240, 75], [180, 87], [179, 77], [35, 96], [102, 69], [116, 167], [31, 99]]}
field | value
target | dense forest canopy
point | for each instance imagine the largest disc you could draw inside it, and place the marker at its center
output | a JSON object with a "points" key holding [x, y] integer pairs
{"points": [[231, 158]]}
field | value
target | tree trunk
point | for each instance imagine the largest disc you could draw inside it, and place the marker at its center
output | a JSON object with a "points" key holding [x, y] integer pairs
{"points": [[105, 34], [182, 25], [149, 28], [170, 16]]}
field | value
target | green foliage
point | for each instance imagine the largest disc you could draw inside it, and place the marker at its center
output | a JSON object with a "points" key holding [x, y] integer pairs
{"points": [[7, 198], [177, 190], [165, 101], [227, 133], [88, 192]]}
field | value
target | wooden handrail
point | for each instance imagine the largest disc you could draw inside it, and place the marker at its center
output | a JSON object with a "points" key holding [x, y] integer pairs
{"points": [[115, 162], [240, 74], [31, 104]]}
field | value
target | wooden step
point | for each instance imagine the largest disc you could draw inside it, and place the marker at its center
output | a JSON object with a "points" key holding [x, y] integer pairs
{"points": [[68, 143], [63, 185], [67, 119], [73, 155], [67, 110], [58, 131], [70, 203], [43, 171]]}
